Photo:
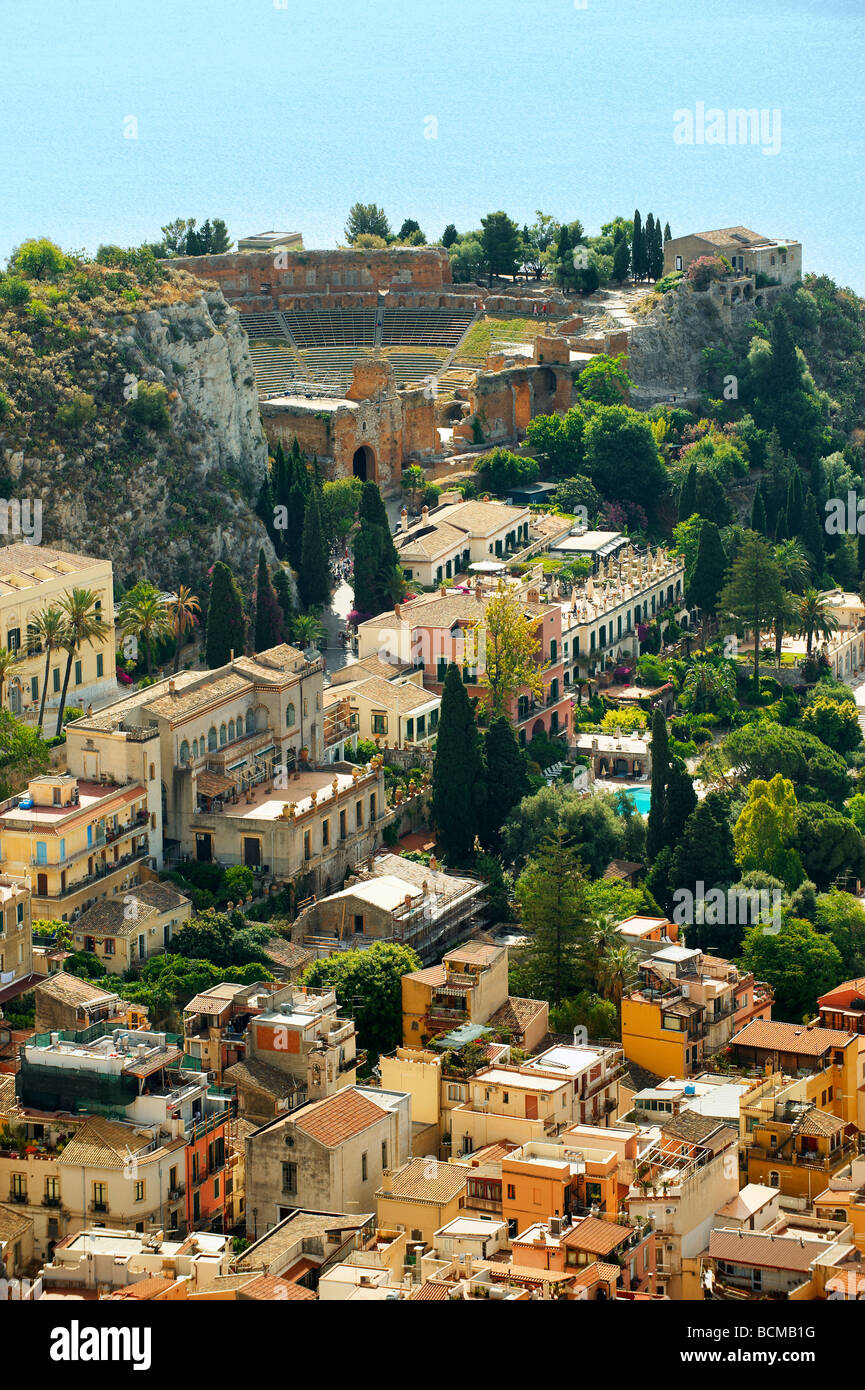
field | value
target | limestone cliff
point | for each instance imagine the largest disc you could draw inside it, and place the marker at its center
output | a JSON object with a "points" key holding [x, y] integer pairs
{"points": [[666, 347], [132, 412]]}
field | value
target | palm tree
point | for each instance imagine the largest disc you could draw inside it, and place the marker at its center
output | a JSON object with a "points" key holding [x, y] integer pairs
{"points": [[7, 661], [82, 623], [706, 683], [144, 614], [46, 632], [182, 608], [815, 617], [414, 482], [606, 936], [785, 619], [616, 972], [306, 630], [794, 564]]}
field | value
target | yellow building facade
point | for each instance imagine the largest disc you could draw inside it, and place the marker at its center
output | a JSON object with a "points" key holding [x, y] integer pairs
{"points": [[36, 577]]}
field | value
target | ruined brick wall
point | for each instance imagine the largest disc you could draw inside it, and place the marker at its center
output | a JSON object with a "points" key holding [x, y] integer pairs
{"points": [[506, 401], [320, 279]]}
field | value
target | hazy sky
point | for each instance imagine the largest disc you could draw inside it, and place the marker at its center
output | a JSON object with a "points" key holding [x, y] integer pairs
{"points": [[276, 115]]}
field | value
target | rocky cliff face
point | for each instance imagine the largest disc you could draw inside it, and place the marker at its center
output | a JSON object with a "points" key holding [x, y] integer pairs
{"points": [[665, 355], [164, 496]]}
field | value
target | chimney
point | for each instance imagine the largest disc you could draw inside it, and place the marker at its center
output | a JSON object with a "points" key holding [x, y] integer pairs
{"points": [[403, 519], [387, 1180], [424, 512], [171, 688], [397, 610]]}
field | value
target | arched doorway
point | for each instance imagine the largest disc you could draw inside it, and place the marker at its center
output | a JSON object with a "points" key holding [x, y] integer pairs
{"points": [[363, 464]]}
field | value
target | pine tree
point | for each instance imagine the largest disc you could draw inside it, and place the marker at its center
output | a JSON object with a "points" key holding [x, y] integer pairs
{"points": [[458, 789], [556, 918], [638, 250], [506, 779], [313, 580], [660, 772], [753, 593], [758, 512], [268, 615], [688, 494], [282, 589], [226, 622]]}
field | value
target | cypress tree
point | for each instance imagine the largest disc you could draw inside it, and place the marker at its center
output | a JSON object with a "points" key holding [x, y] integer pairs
{"points": [[268, 615], [655, 838], [681, 800], [226, 622], [812, 533], [758, 512], [282, 589], [294, 530], [313, 580], [707, 576], [712, 500], [860, 554], [688, 494], [621, 259], [280, 489], [638, 251], [264, 507], [458, 789], [668, 235], [657, 253], [376, 563], [795, 505], [506, 780]]}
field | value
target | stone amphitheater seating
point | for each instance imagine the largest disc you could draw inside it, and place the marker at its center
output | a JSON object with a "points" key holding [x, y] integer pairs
{"points": [[424, 327], [315, 328], [322, 345]]}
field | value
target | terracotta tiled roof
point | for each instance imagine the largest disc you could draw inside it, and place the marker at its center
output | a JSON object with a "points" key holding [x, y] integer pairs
{"points": [[598, 1271], [145, 1288], [431, 1292], [268, 1287], [12, 1224], [69, 989], [261, 1077], [821, 1122], [339, 1117], [516, 1014], [420, 1180], [621, 868], [725, 236], [790, 1037], [770, 1251], [101, 1143], [598, 1237], [690, 1125]]}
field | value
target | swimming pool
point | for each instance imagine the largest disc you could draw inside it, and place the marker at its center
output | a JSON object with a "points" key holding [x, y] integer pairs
{"points": [[641, 797]]}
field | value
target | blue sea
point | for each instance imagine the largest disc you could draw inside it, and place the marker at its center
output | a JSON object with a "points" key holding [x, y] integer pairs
{"points": [[279, 114]]}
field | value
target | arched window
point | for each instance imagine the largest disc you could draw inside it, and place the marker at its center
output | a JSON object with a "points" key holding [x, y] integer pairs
{"points": [[223, 735], [184, 753], [231, 731], [239, 725], [774, 1178], [211, 739], [195, 748], [290, 716], [250, 722]]}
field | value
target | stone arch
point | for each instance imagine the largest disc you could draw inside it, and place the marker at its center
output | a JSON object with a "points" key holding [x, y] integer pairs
{"points": [[363, 464], [538, 728]]}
